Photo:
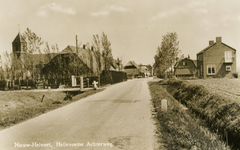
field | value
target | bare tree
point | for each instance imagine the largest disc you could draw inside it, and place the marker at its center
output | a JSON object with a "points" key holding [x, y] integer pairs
{"points": [[98, 48], [107, 54], [7, 65], [33, 46]]}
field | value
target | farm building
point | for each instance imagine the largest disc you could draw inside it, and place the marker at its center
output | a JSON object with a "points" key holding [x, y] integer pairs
{"points": [[186, 68], [57, 68], [71, 62], [132, 69], [216, 60]]}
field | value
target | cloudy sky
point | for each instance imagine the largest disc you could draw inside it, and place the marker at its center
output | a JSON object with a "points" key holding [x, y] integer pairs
{"points": [[134, 27]]}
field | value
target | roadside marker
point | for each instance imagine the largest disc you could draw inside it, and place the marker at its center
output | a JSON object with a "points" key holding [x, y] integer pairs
{"points": [[164, 105]]}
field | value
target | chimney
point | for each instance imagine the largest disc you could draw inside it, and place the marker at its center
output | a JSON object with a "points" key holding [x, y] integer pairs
{"points": [[218, 39], [211, 42], [83, 46], [92, 48], [188, 56]]}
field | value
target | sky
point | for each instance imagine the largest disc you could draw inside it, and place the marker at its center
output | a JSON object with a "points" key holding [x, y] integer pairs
{"points": [[134, 27]]}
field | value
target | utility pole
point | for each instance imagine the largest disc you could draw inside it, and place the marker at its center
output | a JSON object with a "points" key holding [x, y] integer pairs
{"points": [[76, 45]]}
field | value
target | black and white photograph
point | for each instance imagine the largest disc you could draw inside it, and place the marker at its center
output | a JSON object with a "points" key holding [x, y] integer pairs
{"points": [[119, 75]]}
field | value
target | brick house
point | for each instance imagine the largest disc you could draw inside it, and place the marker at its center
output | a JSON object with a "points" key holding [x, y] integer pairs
{"points": [[216, 60], [186, 68]]}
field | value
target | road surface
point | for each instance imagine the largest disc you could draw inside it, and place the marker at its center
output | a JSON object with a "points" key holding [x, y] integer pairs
{"points": [[117, 118]]}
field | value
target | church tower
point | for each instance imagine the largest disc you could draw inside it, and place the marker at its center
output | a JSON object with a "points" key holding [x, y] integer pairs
{"points": [[18, 46]]}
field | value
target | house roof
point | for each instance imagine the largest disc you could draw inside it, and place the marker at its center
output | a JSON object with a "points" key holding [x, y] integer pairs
{"points": [[87, 56], [143, 69], [184, 71], [19, 38], [131, 64], [42, 58], [212, 46], [194, 61]]}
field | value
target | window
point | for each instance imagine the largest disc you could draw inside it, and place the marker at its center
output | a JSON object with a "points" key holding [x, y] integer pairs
{"points": [[183, 63], [228, 68], [228, 56], [211, 69]]}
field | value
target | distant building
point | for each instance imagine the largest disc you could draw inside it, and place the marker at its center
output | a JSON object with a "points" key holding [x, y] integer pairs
{"points": [[186, 68], [216, 60], [144, 71], [132, 69]]}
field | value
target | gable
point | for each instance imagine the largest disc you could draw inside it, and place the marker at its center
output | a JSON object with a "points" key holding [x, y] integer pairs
{"points": [[87, 56], [217, 52], [206, 48], [188, 63], [213, 45], [131, 65]]}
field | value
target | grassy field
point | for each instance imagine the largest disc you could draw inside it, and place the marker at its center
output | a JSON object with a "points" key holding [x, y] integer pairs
{"points": [[178, 128], [17, 106], [229, 88]]}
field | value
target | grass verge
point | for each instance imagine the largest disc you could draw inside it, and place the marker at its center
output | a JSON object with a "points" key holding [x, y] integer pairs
{"points": [[220, 113], [178, 128], [17, 106]]}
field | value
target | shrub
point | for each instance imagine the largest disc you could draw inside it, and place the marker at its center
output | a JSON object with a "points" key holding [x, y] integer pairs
{"points": [[68, 97], [235, 75], [56, 102]]}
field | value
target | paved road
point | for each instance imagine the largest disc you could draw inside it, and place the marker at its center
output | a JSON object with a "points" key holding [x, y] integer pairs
{"points": [[117, 118]]}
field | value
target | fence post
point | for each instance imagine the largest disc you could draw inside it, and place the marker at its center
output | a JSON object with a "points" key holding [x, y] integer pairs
{"points": [[81, 83], [73, 84], [164, 105]]}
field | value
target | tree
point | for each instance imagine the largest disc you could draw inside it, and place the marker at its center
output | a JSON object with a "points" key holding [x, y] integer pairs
{"points": [[107, 55], [33, 43], [160, 64], [33, 47], [97, 48], [167, 53], [2, 77], [107, 52], [7, 65]]}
